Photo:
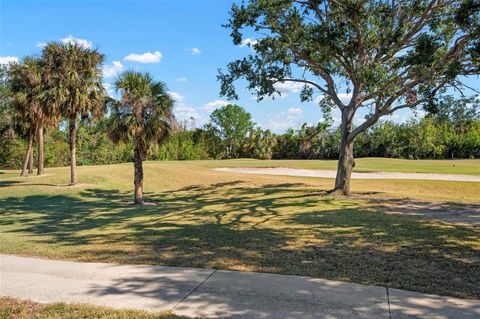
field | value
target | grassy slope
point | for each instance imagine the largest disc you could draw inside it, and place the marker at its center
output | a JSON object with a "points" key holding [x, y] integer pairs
{"points": [[24, 309], [246, 222]]}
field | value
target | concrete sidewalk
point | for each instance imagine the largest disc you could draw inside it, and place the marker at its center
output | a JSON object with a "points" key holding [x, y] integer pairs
{"points": [[217, 293]]}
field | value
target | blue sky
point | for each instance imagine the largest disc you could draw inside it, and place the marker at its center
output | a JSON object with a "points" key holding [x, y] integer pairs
{"points": [[179, 42]]}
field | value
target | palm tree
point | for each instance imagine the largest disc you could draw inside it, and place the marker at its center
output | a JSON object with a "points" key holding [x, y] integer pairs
{"points": [[27, 86], [144, 115], [75, 87]]}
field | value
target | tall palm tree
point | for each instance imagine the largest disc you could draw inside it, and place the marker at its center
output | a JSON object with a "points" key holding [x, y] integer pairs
{"points": [[74, 87], [27, 86], [144, 115]]}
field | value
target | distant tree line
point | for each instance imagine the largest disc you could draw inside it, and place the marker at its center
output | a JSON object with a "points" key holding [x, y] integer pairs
{"points": [[453, 132]]}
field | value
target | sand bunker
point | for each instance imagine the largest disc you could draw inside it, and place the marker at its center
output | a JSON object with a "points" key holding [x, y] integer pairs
{"points": [[355, 175]]}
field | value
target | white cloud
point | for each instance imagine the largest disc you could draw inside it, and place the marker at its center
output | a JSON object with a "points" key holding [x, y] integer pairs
{"points": [[41, 44], [112, 70], [81, 42], [248, 42], [182, 79], [194, 51], [8, 59], [285, 120], [185, 112], [176, 96], [210, 106], [295, 111], [147, 57], [289, 87], [344, 97]]}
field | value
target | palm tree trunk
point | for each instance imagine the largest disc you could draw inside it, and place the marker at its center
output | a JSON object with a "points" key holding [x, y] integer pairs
{"points": [[73, 146], [30, 161], [27, 155], [138, 174], [40, 169]]}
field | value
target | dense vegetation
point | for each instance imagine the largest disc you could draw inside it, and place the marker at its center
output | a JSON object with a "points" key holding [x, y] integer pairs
{"points": [[452, 131], [446, 135]]}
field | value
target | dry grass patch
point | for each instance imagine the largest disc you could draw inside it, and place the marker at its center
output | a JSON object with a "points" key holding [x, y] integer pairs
{"points": [[277, 224]]}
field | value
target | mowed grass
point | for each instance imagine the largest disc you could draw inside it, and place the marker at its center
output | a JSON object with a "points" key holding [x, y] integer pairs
{"points": [[276, 224], [464, 167], [25, 309]]}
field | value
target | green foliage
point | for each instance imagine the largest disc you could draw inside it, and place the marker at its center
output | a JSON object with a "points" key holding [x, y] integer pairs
{"points": [[381, 50], [94, 146], [81, 93], [183, 145], [26, 87], [231, 124], [452, 132], [259, 144], [144, 113]]}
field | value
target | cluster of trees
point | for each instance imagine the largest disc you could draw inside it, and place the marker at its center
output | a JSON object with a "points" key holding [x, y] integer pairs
{"points": [[452, 132], [388, 55], [416, 139], [63, 87], [64, 83]]}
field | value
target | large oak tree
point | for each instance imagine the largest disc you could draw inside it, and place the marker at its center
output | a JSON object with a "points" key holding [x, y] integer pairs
{"points": [[388, 55]]}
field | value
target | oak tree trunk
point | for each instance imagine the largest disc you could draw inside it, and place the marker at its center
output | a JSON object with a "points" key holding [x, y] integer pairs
{"points": [[138, 174], [40, 169], [345, 168], [27, 155], [73, 147], [346, 161]]}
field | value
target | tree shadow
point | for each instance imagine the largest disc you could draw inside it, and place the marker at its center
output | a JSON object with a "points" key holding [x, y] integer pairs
{"points": [[446, 211], [281, 228], [372, 247], [8, 183]]}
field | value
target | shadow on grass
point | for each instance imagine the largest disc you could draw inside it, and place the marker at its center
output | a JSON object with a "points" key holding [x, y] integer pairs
{"points": [[282, 228], [449, 212], [8, 183]]}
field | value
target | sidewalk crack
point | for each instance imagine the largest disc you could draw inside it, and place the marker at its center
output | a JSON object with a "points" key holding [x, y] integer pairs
{"points": [[388, 300], [194, 289]]}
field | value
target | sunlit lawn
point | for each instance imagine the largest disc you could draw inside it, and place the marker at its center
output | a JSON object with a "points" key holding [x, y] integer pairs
{"points": [[278, 224], [467, 167]]}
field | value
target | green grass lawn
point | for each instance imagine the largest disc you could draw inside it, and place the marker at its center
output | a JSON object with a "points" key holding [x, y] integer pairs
{"points": [[277, 224], [466, 167], [25, 309]]}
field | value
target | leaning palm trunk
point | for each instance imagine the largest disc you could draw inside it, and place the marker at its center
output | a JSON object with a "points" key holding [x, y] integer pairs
{"points": [[30, 162], [73, 149], [27, 155], [40, 169], [138, 178]]}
